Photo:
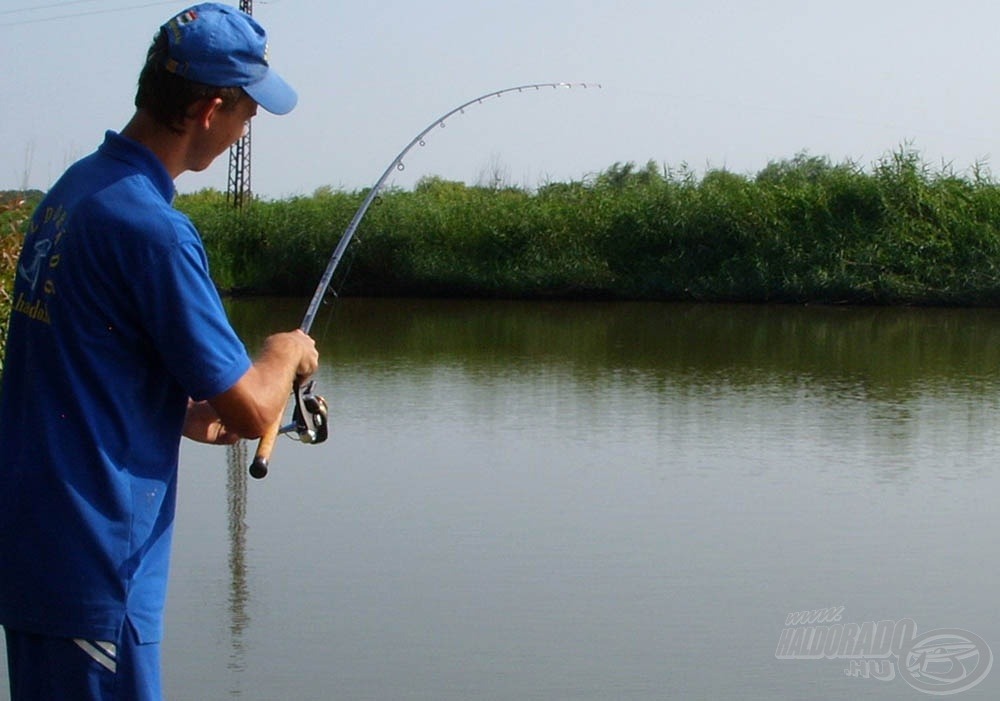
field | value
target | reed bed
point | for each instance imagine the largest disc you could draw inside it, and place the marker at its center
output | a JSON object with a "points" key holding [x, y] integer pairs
{"points": [[801, 230]]}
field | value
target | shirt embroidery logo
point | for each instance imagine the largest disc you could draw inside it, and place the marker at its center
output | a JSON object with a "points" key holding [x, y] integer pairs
{"points": [[30, 272]]}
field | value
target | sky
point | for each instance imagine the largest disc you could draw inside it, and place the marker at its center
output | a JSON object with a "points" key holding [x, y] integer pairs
{"points": [[703, 84]]}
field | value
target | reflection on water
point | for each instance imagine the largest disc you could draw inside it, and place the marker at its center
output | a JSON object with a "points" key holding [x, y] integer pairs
{"points": [[594, 501], [887, 351], [236, 500], [885, 377]]}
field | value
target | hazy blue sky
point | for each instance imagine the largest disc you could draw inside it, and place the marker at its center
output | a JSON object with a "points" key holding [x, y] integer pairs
{"points": [[711, 84]]}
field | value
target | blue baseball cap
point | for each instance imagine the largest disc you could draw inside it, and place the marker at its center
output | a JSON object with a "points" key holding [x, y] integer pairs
{"points": [[221, 46]]}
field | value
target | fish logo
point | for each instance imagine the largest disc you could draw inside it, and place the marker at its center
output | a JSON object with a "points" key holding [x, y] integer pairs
{"points": [[945, 661]]}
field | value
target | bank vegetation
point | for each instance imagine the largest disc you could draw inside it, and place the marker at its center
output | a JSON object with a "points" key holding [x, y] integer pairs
{"points": [[15, 208], [804, 229], [801, 230]]}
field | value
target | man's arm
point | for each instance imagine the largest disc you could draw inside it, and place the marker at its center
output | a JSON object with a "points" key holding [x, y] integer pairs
{"points": [[257, 400]]}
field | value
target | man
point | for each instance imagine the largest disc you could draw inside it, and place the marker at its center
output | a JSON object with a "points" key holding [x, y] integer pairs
{"points": [[118, 345]]}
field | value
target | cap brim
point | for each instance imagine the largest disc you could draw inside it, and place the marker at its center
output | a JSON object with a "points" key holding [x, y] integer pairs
{"points": [[273, 94]]}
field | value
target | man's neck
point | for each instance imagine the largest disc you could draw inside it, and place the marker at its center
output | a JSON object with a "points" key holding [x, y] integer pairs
{"points": [[166, 144]]}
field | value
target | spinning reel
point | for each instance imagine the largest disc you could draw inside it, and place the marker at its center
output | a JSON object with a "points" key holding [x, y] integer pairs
{"points": [[309, 417]]}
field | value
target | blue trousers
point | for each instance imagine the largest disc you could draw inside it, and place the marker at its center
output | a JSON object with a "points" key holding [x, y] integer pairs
{"points": [[43, 668]]}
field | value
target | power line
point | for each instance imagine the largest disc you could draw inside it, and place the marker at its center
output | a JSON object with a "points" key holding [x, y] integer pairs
{"points": [[77, 14], [45, 7]]}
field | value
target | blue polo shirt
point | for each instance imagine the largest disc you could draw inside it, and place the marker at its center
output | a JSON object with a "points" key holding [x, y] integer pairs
{"points": [[116, 322]]}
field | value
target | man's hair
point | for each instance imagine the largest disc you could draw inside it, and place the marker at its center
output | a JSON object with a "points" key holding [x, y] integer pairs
{"points": [[168, 97]]}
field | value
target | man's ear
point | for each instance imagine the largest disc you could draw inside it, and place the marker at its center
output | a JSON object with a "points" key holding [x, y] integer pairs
{"points": [[204, 111]]}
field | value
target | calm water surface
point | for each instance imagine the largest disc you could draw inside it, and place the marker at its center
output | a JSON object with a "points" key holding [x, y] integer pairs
{"points": [[595, 502]]}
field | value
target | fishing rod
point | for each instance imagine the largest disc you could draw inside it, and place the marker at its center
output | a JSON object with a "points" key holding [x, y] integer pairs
{"points": [[309, 415]]}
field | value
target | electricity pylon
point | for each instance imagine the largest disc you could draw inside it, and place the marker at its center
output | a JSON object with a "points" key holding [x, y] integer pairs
{"points": [[238, 186]]}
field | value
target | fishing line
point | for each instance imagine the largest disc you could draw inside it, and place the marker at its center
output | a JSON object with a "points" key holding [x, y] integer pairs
{"points": [[309, 415], [333, 295]]}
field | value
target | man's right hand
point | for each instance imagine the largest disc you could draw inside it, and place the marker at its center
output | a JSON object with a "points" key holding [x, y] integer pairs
{"points": [[257, 401]]}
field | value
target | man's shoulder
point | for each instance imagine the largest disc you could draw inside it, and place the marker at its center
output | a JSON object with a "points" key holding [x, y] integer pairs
{"points": [[121, 183], [129, 204]]}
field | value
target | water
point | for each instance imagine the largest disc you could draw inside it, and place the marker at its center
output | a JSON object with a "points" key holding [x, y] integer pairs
{"points": [[595, 501]]}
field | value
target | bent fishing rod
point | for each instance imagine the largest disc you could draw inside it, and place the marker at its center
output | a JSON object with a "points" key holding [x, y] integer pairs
{"points": [[309, 414]]}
